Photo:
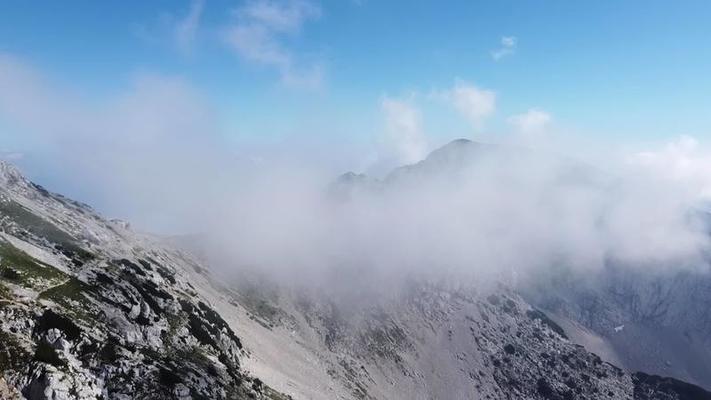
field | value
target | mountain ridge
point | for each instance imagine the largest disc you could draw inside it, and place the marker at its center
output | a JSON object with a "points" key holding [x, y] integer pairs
{"points": [[90, 309]]}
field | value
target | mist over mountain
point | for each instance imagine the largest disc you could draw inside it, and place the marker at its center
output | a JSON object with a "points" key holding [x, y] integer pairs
{"points": [[468, 211], [402, 287]]}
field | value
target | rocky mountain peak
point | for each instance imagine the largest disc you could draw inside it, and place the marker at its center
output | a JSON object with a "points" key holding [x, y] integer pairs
{"points": [[10, 175]]}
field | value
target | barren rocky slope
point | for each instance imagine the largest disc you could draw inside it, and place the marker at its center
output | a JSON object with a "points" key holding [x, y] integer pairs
{"points": [[89, 309]]}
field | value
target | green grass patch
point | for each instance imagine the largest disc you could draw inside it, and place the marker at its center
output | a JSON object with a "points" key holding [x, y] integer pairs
{"points": [[196, 356], [43, 228], [175, 322], [20, 268], [72, 296], [259, 306], [73, 289]]}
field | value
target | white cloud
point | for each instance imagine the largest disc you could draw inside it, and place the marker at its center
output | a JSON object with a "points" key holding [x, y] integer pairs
{"points": [[683, 161], [531, 122], [179, 32], [405, 139], [473, 103], [508, 47], [258, 36], [279, 16], [153, 141], [186, 29]]}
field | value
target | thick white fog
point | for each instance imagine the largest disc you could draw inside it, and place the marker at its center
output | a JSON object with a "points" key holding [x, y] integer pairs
{"points": [[510, 211], [154, 155]]}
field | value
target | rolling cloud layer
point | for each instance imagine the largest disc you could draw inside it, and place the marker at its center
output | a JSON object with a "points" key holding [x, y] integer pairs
{"points": [[155, 151]]}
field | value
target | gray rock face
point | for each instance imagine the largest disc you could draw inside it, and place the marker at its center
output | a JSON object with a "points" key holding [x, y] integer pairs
{"points": [[435, 342], [90, 310], [651, 322]]}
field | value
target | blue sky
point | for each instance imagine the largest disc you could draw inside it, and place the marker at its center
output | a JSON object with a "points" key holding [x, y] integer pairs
{"points": [[354, 71], [605, 67]]}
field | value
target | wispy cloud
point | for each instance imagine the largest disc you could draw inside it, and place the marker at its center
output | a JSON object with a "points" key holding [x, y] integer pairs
{"points": [[405, 139], [259, 32], [185, 30], [532, 121], [508, 47], [473, 103], [175, 31]]}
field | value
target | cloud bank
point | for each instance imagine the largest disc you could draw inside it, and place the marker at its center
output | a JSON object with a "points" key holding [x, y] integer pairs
{"points": [[467, 211], [490, 213]]}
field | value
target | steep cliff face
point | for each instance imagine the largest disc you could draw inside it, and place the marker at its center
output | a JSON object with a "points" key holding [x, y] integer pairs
{"points": [[651, 321], [89, 309]]}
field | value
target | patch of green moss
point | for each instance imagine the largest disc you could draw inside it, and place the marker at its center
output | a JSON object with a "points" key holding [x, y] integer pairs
{"points": [[196, 356], [43, 228], [73, 289], [174, 323], [264, 310], [259, 306], [72, 296], [20, 268]]}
